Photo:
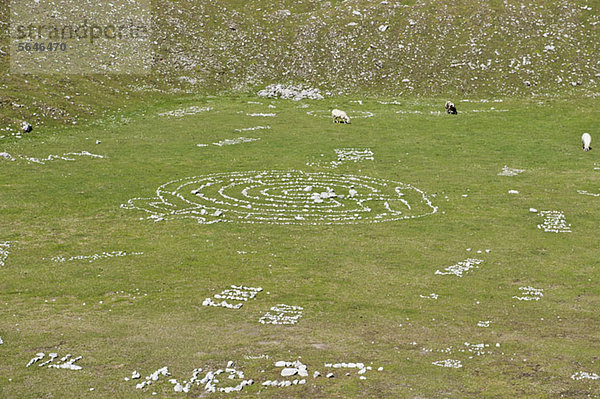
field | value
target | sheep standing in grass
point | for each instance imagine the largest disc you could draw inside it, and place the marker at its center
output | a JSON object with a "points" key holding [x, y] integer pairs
{"points": [[339, 116], [586, 140], [450, 108]]}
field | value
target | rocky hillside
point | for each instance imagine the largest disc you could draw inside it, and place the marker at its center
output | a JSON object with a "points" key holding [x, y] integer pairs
{"points": [[354, 47]]}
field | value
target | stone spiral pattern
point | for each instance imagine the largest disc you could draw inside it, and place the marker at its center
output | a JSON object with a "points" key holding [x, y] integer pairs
{"points": [[285, 197]]}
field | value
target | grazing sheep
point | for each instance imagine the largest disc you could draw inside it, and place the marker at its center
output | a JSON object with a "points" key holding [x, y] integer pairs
{"points": [[450, 108], [339, 116], [586, 140], [26, 127]]}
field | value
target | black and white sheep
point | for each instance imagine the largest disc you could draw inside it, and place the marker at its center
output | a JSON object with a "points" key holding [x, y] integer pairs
{"points": [[450, 108]]}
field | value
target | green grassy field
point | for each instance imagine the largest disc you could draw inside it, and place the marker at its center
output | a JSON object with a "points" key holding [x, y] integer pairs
{"points": [[364, 287]]}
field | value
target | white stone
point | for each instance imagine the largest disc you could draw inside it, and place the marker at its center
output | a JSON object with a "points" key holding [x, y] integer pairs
{"points": [[286, 372]]}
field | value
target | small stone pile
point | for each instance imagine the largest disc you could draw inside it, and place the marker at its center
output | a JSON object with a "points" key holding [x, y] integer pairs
{"points": [[290, 92]]}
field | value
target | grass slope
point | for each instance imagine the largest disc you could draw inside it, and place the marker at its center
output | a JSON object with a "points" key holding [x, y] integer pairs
{"points": [[430, 48], [360, 285]]}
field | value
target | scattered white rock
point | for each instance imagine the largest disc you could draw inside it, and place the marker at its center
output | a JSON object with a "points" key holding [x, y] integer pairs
{"points": [[66, 362], [461, 267], [178, 113], [261, 114], [347, 155], [94, 257], [291, 92], [582, 375], [282, 314], [236, 293], [237, 140], [450, 363], [37, 358], [554, 222], [4, 251], [6, 156], [248, 129], [588, 193], [64, 157], [530, 294]]}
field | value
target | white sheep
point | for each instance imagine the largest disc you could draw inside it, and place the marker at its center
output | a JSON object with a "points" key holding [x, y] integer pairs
{"points": [[586, 140], [339, 116]]}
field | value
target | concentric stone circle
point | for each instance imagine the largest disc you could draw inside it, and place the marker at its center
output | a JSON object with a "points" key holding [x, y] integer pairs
{"points": [[285, 197]]}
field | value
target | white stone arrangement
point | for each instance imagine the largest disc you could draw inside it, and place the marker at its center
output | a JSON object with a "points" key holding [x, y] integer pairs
{"points": [[282, 314], [430, 296], [236, 293], [554, 222], [289, 369], [354, 154], [178, 113], [261, 114], [292, 373], [506, 171], [237, 140], [485, 323], [582, 375], [66, 362], [285, 197], [4, 251], [477, 349], [346, 155], [351, 114], [529, 294], [209, 381], [153, 377], [468, 348], [64, 157], [450, 363], [461, 267], [249, 129], [1, 341], [362, 368], [588, 193], [91, 258]]}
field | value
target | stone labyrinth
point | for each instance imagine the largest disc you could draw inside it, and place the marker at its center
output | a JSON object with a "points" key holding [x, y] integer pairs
{"points": [[285, 197]]}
